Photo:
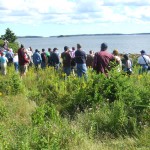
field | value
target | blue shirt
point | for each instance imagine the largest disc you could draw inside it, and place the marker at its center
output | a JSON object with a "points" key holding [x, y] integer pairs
{"points": [[3, 59], [37, 58]]}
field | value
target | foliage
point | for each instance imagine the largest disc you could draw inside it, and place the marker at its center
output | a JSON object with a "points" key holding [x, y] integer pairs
{"points": [[14, 45], [47, 110], [11, 85], [9, 36]]}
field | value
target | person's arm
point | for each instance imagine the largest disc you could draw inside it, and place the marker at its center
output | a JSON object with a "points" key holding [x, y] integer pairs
{"points": [[6, 59], [69, 55], [24, 57], [148, 60], [40, 58]]}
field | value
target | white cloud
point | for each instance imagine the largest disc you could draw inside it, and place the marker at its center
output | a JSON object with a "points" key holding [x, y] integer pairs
{"points": [[127, 2], [74, 11]]}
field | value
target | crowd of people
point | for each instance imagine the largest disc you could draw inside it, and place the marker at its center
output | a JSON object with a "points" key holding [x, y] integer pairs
{"points": [[74, 60]]}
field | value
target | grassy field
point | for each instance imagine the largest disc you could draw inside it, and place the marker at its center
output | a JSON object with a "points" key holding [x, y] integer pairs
{"points": [[46, 112]]}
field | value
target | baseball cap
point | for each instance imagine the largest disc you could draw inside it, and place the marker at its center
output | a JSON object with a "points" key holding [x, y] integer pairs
{"points": [[142, 52]]}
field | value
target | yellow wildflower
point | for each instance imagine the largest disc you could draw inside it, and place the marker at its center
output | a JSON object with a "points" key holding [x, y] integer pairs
{"points": [[139, 77]]}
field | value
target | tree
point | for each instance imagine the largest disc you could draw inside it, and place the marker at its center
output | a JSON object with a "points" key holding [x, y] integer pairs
{"points": [[9, 36]]}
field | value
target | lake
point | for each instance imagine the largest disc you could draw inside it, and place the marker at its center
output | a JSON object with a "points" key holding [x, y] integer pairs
{"points": [[124, 43]]}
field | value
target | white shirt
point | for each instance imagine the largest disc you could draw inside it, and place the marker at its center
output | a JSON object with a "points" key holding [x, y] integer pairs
{"points": [[118, 59], [141, 60], [129, 64], [15, 59]]}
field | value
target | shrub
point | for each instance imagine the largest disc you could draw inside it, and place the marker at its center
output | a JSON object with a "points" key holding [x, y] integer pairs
{"points": [[11, 84]]}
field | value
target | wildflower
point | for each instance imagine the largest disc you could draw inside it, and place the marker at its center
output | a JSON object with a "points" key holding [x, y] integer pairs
{"points": [[139, 77], [63, 74]]}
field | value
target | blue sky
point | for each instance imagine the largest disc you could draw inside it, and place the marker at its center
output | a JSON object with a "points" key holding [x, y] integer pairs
{"points": [[65, 17]]}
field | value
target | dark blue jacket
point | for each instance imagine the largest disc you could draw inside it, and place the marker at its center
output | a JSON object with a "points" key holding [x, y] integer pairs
{"points": [[54, 59], [80, 57]]}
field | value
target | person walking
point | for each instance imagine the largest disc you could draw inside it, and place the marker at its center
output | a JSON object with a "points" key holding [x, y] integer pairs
{"points": [[73, 61], [55, 61], [66, 61], [143, 61], [118, 60], [80, 58], [23, 61], [15, 61], [102, 60], [44, 59], [127, 64], [9, 55], [37, 60], [90, 59], [3, 62]]}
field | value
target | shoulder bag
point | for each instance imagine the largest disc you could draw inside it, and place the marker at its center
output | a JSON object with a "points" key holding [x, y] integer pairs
{"points": [[146, 64]]}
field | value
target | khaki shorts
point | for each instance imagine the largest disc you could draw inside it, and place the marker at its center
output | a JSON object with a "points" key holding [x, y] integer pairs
{"points": [[23, 68]]}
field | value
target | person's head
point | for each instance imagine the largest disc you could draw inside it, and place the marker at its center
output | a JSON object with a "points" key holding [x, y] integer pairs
{"points": [[5, 41], [30, 48], [115, 52], [22, 46], [104, 46], [142, 52], [78, 46], [55, 49], [73, 48], [11, 50], [49, 49], [36, 50], [126, 56], [43, 50], [66, 48], [90, 52]]}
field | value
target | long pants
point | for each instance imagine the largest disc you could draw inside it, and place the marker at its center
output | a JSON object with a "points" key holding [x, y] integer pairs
{"points": [[67, 70], [81, 70], [3, 68], [16, 65]]}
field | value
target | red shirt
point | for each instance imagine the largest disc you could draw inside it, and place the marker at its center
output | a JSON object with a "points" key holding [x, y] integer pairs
{"points": [[101, 61], [22, 57]]}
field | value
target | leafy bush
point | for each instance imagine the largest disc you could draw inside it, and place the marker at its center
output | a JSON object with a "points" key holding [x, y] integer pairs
{"points": [[69, 112], [14, 46], [11, 84]]}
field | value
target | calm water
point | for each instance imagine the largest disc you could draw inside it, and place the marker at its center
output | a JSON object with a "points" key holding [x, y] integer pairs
{"points": [[124, 43]]}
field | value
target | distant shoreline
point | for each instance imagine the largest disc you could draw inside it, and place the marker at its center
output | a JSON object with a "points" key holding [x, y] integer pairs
{"points": [[61, 36]]}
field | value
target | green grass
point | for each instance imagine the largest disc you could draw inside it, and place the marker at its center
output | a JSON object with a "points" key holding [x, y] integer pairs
{"points": [[44, 111]]}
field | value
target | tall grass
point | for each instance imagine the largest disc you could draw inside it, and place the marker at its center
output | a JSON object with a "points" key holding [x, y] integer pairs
{"points": [[46, 110]]}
